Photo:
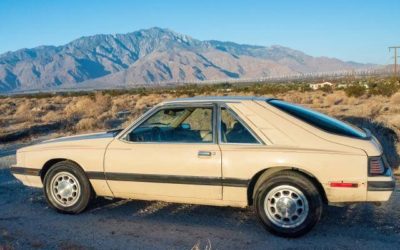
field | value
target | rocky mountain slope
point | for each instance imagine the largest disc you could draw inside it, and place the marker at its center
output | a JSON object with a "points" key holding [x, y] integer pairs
{"points": [[151, 56]]}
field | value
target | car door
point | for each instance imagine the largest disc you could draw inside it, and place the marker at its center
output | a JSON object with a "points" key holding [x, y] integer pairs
{"points": [[172, 152], [240, 153]]}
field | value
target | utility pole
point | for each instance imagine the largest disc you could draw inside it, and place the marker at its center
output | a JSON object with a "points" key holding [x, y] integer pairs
{"points": [[395, 59]]}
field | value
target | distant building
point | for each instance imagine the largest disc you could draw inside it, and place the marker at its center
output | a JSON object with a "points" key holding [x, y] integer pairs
{"points": [[316, 86], [342, 85]]}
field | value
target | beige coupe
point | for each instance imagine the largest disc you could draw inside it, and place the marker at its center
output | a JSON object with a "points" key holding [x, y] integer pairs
{"points": [[284, 159]]}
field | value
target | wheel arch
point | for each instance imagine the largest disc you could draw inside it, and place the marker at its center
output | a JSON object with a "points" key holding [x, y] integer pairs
{"points": [[266, 173], [50, 163]]}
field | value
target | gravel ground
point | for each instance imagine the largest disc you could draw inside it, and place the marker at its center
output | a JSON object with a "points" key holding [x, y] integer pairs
{"points": [[26, 222]]}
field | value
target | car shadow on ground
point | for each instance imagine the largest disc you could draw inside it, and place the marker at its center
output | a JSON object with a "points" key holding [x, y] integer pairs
{"points": [[170, 212], [359, 217]]}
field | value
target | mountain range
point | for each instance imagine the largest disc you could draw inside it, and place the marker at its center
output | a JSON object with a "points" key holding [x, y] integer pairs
{"points": [[151, 56]]}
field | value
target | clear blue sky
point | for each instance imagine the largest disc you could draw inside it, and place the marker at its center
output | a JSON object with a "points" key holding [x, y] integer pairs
{"points": [[350, 30]]}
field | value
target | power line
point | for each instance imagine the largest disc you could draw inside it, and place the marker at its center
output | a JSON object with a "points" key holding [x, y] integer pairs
{"points": [[395, 59]]}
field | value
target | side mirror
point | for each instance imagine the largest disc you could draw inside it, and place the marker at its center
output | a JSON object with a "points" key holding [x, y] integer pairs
{"points": [[185, 126]]}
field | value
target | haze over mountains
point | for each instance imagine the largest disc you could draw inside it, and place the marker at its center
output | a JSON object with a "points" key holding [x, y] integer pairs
{"points": [[151, 56]]}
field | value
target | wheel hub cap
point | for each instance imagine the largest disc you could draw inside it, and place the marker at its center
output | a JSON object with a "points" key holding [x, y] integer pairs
{"points": [[286, 206], [65, 189]]}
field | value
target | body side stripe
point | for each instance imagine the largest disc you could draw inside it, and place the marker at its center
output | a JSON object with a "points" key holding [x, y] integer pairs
{"points": [[172, 179]]}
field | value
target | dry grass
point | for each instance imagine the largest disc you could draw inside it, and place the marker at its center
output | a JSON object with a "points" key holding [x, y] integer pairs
{"points": [[395, 99], [101, 111], [87, 124]]}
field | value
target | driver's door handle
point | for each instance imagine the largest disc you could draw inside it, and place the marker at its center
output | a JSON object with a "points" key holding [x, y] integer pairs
{"points": [[204, 153]]}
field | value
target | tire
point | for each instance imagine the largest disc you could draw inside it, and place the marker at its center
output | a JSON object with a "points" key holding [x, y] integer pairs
{"points": [[67, 189], [288, 204]]}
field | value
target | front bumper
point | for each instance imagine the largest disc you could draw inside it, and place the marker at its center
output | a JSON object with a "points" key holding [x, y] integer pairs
{"points": [[24, 171], [28, 176]]}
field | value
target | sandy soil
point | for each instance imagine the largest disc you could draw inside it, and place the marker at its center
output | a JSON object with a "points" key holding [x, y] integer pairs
{"points": [[26, 222]]}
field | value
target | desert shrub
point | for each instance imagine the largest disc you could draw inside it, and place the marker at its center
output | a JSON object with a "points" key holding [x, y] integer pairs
{"points": [[326, 89], [355, 90], [86, 124], [385, 88], [307, 100], [88, 106], [58, 99], [146, 102], [7, 108], [23, 111], [51, 116], [304, 87], [294, 97], [395, 99], [48, 107], [78, 107], [102, 103]]}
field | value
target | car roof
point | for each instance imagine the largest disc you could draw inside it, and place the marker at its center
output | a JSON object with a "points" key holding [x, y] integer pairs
{"points": [[218, 99]]}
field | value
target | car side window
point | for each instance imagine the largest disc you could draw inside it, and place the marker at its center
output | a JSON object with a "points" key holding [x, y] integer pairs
{"points": [[233, 131], [177, 125]]}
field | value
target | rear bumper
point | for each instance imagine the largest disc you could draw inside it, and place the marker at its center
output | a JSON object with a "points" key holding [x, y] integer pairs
{"points": [[379, 189], [381, 185]]}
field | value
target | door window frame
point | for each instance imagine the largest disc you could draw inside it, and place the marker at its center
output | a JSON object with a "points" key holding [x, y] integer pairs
{"points": [[156, 109], [243, 123]]}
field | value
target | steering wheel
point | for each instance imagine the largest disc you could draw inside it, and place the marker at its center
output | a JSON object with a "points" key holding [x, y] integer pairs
{"points": [[157, 134]]}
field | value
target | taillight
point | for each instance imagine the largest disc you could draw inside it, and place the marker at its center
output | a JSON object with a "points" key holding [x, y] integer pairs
{"points": [[376, 166]]}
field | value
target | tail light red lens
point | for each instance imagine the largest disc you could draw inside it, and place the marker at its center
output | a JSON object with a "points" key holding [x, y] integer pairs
{"points": [[376, 166]]}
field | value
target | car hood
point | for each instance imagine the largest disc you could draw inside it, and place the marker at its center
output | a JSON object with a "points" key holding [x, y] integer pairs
{"points": [[93, 136], [93, 140]]}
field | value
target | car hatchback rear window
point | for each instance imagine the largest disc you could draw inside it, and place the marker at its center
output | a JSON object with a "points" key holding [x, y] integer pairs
{"points": [[318, 120]]}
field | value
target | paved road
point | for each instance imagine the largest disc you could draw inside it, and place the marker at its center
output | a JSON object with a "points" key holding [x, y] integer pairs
{"points": [[27, 222]]}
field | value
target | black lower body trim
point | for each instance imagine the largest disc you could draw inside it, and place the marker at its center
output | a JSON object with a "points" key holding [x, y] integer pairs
{"points": [[381, 185], [25, 171], [171, 179]]}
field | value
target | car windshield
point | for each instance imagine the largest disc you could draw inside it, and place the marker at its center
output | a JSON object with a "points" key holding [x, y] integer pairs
{"points": [[318, 120]]}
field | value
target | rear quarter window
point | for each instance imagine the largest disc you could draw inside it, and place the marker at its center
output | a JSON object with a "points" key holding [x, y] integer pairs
{"points": [[318, 120]]}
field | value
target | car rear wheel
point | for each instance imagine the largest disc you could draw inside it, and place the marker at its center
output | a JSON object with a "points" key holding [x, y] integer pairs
{"points": [[67, 188], [288, 204]]}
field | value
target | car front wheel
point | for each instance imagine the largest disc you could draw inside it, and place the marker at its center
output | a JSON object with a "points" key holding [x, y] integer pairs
{"points": [[67, 188], [288, 204]]}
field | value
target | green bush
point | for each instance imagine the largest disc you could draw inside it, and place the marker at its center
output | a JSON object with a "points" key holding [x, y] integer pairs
{"points": [[327, 89], [383, 88], [356, 90]]}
